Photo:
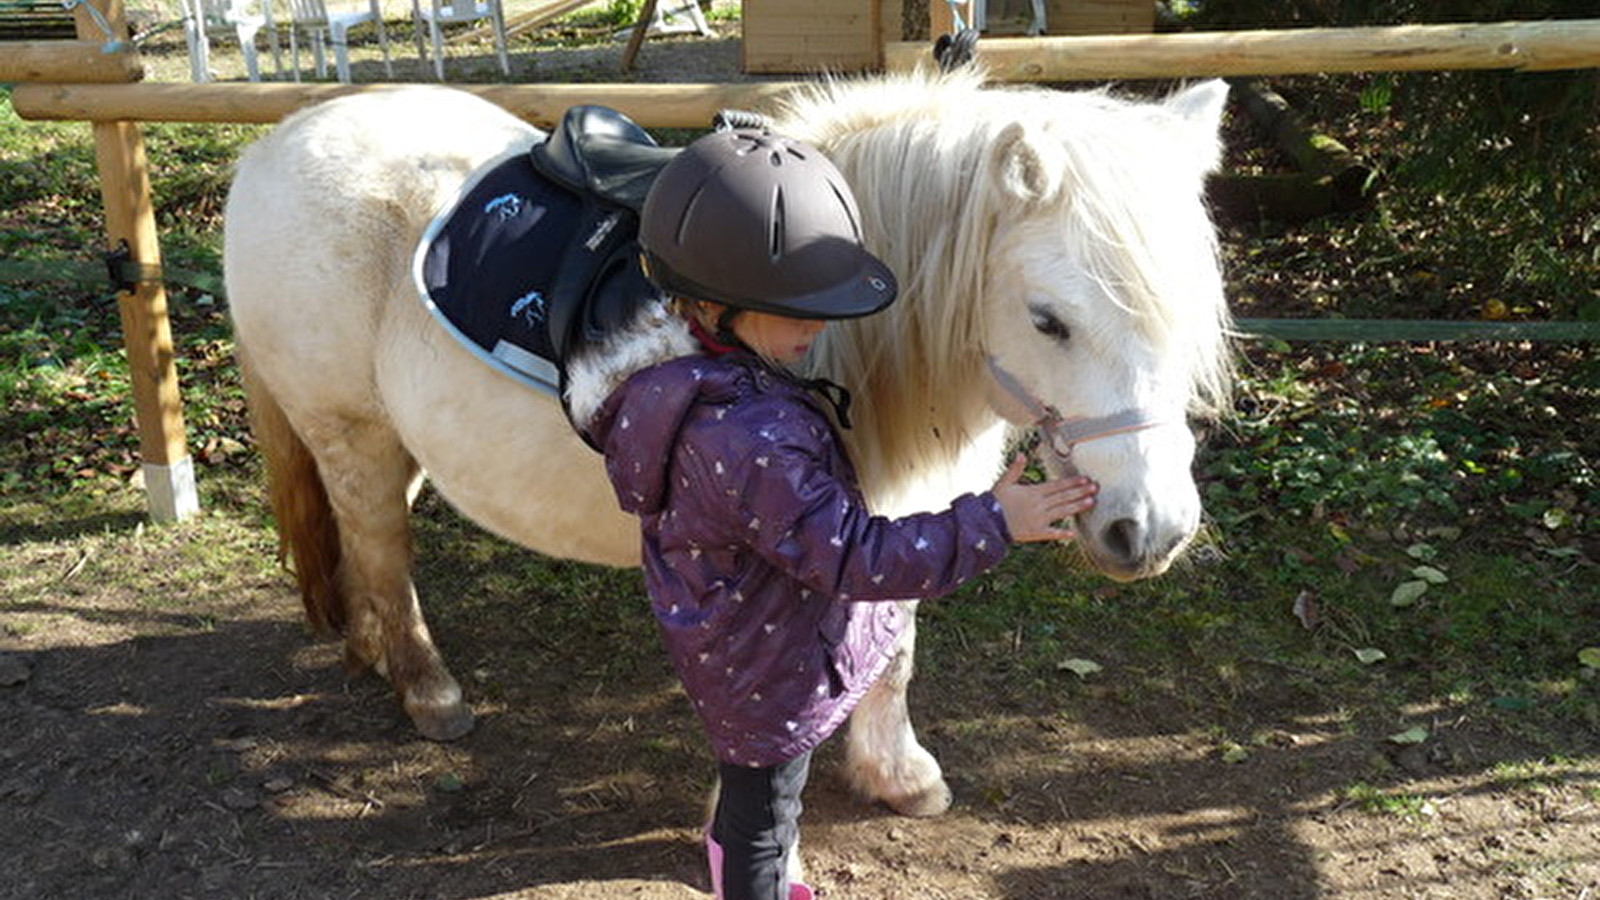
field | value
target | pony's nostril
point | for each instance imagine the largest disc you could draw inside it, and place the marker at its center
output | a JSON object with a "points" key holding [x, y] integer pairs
{"points": [[1122, 539]]}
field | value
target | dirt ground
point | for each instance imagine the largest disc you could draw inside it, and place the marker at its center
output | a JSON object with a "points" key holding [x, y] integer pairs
{"points": [[207, 748], [184, 738]]}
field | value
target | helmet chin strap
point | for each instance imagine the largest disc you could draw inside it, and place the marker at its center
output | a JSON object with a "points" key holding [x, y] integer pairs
{"points": [[1063, 434], [725, 326]]}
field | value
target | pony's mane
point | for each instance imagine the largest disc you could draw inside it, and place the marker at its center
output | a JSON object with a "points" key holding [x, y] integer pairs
{"points": [[918, 150]]}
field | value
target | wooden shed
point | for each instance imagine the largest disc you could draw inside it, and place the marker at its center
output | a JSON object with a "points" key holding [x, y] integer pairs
{"points": [[806, 36]]}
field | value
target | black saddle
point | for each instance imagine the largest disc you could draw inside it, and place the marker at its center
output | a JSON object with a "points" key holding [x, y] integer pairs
{"points": [[538, 259], [599, 151], [610, 163]]}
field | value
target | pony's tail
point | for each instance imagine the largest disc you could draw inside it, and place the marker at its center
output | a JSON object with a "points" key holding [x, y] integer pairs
{"points": [[308, 533]]}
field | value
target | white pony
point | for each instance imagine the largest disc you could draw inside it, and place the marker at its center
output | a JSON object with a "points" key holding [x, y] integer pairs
{"points": [[1057, 266]]}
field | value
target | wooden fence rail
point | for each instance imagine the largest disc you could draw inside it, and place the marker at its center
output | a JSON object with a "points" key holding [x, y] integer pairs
{"points": [[651, 105], [1524, 46], [89, 60]]}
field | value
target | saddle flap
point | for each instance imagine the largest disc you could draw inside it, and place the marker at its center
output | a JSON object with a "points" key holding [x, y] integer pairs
{"points": [[597, 150]]}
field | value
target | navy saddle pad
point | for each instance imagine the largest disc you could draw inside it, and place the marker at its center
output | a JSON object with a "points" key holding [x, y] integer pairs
{"points": [[504, 270]]}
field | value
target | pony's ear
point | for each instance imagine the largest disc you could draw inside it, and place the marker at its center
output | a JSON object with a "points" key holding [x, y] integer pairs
{"points": [[1198, 111], [1029, 166]]}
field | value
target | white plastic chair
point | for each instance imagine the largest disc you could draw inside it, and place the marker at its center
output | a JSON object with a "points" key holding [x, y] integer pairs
{"points": [[682, 17], [313, 19], [664, 17], [238, 19], [980, 15], [438, 13]]}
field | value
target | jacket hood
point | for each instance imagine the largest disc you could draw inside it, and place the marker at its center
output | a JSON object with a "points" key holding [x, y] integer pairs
{"points": [[596, 371], [631, 398], [638, 427]]}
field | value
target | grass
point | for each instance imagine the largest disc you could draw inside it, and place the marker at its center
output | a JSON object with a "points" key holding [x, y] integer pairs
{"points": [[63, 377], [1380, 802], [1538, 776]]}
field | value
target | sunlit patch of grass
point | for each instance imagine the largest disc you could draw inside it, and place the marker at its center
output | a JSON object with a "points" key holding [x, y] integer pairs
{"points": [[1534, 776], [1377, 801]]}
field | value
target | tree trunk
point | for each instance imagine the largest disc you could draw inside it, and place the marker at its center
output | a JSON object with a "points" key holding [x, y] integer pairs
{"points": [[1316, 155]]}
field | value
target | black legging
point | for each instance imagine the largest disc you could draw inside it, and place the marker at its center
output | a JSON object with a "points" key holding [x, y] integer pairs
{"points": [[757, 822]]}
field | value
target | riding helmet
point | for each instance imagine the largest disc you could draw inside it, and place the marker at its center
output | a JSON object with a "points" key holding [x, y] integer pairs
{"points": [[757, 221]]}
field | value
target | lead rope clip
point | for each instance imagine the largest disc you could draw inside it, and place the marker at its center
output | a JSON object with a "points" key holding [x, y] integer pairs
{"points": [[112, 44]]}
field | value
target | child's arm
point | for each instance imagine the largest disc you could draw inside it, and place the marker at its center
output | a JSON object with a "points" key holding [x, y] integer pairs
{"points": [[802, 520]]}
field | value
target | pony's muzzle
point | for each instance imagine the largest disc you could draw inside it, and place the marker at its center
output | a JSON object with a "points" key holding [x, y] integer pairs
{"points": [[1127, 549], [1141, 523]]}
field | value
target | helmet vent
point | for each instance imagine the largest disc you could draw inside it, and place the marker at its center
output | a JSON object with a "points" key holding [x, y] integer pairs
{"points": [[849, 207], [775, 228], [688, 213]]}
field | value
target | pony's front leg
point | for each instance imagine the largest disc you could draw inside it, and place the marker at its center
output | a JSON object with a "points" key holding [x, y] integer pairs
{"points": [[883, 758]]}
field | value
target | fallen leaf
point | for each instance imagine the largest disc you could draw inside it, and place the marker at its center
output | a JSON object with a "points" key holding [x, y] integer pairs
{"points": [[1414, 735], [1407, 593], [1369, 655], [1082, 668], [1305, 609], [1430, 574]]}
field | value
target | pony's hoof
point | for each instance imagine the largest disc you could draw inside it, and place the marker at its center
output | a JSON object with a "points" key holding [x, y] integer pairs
{"points": [[442, 723], [911, 784], [930, 801]]}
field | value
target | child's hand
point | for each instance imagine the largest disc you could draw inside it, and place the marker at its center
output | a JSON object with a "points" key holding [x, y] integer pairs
{"points": [[1031, 510]]}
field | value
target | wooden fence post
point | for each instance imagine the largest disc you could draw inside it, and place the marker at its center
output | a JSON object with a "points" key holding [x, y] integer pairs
{"points": [[146, 333]]}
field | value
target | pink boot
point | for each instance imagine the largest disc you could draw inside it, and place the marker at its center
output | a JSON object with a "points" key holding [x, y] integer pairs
{"points": [[797, 891]]}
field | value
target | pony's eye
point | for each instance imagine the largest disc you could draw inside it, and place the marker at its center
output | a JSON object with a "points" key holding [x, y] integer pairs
{"points": [[1048, 325]]}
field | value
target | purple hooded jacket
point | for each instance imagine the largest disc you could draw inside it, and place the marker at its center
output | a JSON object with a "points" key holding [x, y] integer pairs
{"points": [[765, 569]]}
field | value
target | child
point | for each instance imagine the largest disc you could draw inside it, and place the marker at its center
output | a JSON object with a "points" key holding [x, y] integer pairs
{"points": [[771, 581]]}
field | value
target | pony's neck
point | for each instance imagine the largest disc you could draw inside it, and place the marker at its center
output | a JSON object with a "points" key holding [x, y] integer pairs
{"points": [[916, 369], [915, 416]]}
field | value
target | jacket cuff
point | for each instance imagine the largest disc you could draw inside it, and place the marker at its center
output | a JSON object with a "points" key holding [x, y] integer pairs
{"points": [[986, 507]]}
